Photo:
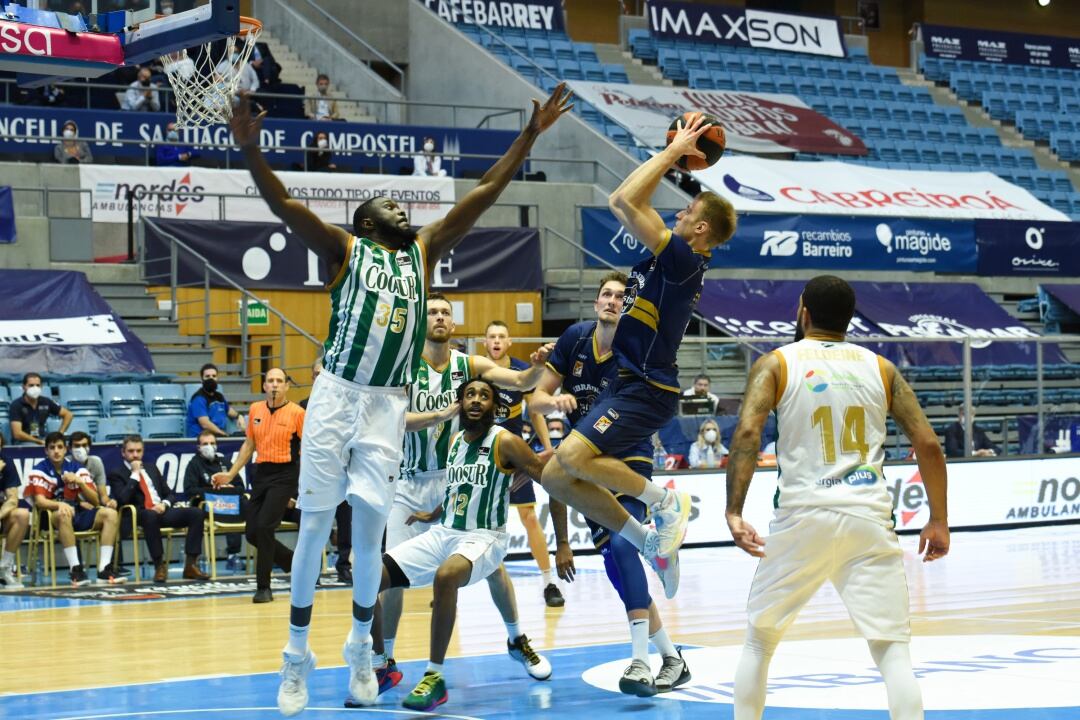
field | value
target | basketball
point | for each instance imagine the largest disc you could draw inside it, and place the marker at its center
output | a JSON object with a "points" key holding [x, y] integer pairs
{"points": [[712, 142]]}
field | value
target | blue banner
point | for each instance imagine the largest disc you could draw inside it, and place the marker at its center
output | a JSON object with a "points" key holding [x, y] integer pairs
{"points": [[955, 43], [818, 242], [170, 456], [7, 215], [1028, 247], [354, 146]]}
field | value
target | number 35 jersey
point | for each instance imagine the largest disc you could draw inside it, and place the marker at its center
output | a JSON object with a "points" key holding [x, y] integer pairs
{"points": [[377, 314], [831, 406]]}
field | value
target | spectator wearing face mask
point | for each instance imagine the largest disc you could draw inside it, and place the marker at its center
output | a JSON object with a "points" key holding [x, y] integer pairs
{"points": [[71, 151], [323, 106], [320, 158], [208, 409], [174, 155], [427, 163], [248, 80], [199, 481], [142, 94], [556, 428], [28, 413], [707, 451]]}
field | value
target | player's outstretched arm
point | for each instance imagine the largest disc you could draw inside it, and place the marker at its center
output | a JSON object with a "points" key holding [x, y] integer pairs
{"points": [[632, 201], [516, 379], [327, 241], [443, 235], [420, 420], [515, 454], [759, 401], [544, 401], [924, 441]]}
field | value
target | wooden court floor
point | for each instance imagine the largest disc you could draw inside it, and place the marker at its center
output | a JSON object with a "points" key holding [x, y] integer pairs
{"points": [[993, 584]]}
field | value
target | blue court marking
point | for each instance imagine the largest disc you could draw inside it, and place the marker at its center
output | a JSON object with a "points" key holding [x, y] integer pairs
{"points": [[489, 686]]}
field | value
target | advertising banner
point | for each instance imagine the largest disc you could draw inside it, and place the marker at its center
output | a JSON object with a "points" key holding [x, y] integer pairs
{"points": [[949, 311], [981, 493], [954, 43], [356, 147], [54, 321], [823, 242], [182, 193], [778, 186], [753, 122], [745, 27], [521, 14], [262, 255], [1026, 248], [170, 456]]}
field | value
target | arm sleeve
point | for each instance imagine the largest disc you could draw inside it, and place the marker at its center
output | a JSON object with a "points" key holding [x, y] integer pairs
{"points": [[677, 259], [54, 409], [197, 408]]}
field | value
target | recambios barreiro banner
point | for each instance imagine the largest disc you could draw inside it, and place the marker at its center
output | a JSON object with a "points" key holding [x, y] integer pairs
{"points": [[749, 28], [756, 185], [753, 122], [954, 43]]}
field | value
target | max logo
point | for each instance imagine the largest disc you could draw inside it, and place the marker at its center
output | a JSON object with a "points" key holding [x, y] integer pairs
{"points": [[908, 498]]}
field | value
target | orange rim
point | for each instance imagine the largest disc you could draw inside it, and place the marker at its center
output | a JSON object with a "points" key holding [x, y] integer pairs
{"points": [[249, 24]]}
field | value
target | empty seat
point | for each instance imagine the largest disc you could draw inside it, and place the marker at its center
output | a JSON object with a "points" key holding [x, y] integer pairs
{"points": [[164, 399], [122, 399], [81, 400], [162, 427], [116, 428]]}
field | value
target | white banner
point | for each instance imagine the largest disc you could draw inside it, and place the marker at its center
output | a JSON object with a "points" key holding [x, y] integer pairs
{"points": [[183, 193], [837, 188], [981, 493], [89, 330], [794, 33], [753, 122]]}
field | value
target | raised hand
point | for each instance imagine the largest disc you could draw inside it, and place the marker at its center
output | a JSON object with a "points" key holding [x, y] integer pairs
{"points": [[245, 129], [544, 116], [541, 354], [686, 136]]}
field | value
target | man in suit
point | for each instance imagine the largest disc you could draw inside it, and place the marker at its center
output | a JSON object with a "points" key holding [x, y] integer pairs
{"points": [[142, 485]]}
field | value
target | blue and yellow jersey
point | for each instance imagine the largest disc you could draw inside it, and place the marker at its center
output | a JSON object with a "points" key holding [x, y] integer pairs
{"points": [[584, 371], [660, 297], [510, 406]]}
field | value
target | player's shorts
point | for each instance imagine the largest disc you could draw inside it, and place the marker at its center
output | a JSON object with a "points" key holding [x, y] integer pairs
{"points": [[626, 415], [397, 531], [83, 519], [420, 557], [421, 492], [862, 559], [524, 495], [352, 444]]}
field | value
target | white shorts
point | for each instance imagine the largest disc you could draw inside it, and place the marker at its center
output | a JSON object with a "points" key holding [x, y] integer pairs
{"points": [[352, 444], [861, 558], [421, 492], [420, 557], [397, 531]]}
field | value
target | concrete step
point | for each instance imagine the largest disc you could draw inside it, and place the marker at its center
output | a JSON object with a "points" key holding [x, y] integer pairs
{"points": [[152, 332], [135, 307], [102, 272], [109, 290]]}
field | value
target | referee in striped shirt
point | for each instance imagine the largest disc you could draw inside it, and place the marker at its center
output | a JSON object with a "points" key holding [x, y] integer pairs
{"points": [[274, 429]]}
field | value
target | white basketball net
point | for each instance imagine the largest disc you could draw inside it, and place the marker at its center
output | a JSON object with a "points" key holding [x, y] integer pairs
{"points": [[205, 85]]}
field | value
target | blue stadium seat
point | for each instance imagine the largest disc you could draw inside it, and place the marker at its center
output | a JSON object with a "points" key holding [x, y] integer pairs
{"points": [[570, 70], [115, 428], [162, 427], [584, 52], [81, 400], [164, 399], [593, 71], [562, 49], [122, 399], [615, 73]]}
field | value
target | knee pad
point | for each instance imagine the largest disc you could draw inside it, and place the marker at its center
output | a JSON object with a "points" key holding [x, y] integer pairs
{"points": [[623, 565]]}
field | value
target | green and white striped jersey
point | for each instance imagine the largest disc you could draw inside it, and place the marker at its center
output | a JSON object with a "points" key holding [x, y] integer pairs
{"points": [[428, 449], [378, 315], [477, 488]]}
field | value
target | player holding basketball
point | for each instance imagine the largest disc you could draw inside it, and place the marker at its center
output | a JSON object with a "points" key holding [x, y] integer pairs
{"points": [[833, 517], [355, 424], [582, 365], [660, 298]]}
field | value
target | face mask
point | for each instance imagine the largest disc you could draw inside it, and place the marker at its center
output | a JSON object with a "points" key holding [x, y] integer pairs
{"points": [[69, 133], [429, 147], [167, 10], [323, 89], [710, 436], [323, 143], [235, 56], [80, 454], [526, 436], [173, 135], [555, 434], [208, 452], [145, 83], [33, 392], [209, 385]]}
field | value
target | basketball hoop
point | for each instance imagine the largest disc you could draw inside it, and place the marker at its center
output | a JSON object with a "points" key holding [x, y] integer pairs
{"points": [[205, 86]]}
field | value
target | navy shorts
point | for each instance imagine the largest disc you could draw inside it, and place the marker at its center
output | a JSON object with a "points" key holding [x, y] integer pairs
{"points": [[625, 416], [84, 519], [524, 495], [637, 509]]}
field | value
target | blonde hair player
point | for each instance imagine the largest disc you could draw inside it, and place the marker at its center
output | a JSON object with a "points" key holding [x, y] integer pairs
{"points": [[833, 517]]}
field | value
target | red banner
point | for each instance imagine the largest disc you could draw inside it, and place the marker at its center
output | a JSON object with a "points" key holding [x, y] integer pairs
{"points": [[52, 51]]}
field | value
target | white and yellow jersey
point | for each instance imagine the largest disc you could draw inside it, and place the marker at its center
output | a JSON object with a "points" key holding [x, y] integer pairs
{"points": [[831, 405]]}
